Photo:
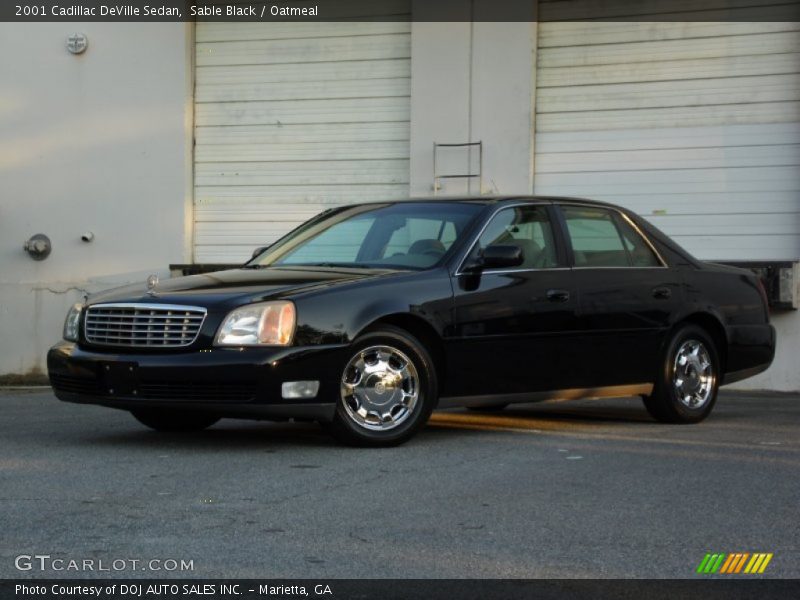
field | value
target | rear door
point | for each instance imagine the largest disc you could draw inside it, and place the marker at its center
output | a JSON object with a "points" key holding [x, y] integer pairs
{"points": [[627, 295], [511, 324]]}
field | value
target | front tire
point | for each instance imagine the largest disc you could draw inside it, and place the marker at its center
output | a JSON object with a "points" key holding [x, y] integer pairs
{"points": [[174, 421], [687, 383], [388, 388]]}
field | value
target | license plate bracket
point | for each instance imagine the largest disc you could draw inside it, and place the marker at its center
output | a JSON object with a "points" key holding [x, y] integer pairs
{"points": [[120, 378]]}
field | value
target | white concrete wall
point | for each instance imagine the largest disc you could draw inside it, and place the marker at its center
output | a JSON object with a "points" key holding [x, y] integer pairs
{"points": [[100, 142]]}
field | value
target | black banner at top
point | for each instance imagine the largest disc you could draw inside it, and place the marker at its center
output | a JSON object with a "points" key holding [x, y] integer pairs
{"points": [[392, 10]]}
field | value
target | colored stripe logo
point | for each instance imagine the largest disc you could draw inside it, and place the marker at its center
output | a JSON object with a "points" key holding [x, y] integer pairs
{"points": [[734, 563]]}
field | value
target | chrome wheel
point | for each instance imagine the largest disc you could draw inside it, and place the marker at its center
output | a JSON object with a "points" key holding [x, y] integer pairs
{"points": [[379, 388], [693, 375]]}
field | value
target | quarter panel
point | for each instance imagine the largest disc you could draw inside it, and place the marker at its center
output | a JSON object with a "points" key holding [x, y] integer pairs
{"points": [[733, 297], [732, 293]]}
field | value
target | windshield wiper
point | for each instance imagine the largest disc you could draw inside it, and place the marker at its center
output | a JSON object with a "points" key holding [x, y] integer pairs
{"points": [[253, 267], [338, 265]]}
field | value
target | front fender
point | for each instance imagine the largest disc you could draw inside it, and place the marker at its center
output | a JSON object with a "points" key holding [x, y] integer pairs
{"points": [[338, 315]]}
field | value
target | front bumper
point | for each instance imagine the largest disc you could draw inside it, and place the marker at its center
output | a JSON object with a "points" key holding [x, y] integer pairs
{"points": [[229, 382]]}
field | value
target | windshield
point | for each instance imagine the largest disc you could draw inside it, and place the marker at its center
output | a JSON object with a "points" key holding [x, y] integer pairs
{"points": [[394, 236]]}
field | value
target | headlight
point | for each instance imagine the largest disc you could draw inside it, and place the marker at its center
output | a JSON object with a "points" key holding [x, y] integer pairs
{"points": [[72, 324], [263, 324]]}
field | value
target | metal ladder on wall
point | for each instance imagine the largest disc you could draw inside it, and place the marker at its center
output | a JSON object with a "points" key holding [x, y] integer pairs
{"points": [[469, 175]]}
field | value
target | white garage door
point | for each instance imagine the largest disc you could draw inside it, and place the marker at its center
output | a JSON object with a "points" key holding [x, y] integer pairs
{"points": [[695, 125], [291, 118]]}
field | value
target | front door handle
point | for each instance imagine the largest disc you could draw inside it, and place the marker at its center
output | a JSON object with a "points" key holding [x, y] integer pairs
{"points": [[557, 295], [662, 293]]}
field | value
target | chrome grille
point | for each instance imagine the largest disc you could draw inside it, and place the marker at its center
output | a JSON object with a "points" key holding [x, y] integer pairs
{"points": [[143, 325]]}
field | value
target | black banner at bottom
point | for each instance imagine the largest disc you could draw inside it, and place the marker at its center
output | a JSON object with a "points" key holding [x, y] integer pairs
{"points": [[395, 589]]}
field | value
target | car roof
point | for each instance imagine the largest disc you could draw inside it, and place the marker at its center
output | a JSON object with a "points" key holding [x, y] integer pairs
{"points": [[497, 199]]}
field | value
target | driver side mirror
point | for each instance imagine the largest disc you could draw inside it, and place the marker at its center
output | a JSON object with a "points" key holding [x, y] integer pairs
{"points": [[500, 256], [259, 250]]}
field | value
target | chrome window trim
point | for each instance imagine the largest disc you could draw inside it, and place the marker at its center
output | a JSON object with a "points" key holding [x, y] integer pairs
{"points": [[628, 220], [617, 267], [144, 306], [647, 241], [526, 270], [477, 237]]}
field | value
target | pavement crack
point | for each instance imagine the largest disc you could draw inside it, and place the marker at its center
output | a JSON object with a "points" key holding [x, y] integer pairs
{"points": [[353, 535]]}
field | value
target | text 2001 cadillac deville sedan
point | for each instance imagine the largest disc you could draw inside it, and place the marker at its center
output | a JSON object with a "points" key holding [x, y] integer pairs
{"points": [[368, 317]]}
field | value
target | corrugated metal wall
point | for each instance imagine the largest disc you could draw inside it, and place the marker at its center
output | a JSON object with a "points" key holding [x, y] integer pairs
{"points": [[695, 125], [292, 117]]}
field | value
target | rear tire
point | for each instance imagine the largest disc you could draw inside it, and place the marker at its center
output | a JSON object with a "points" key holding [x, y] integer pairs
{"points": [[174, 421], [388, 389], [686, 387]]}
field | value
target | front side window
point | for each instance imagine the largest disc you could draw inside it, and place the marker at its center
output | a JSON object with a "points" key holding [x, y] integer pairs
{"points": [[528, 228], [600, 240], [401, 235]]}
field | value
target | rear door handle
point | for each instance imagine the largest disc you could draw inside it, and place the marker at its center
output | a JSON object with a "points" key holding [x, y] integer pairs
{"points": [[662, 293], [557, 295]]}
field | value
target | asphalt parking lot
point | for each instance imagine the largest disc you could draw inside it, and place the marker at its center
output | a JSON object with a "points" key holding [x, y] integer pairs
{"points": [[580, 489]]}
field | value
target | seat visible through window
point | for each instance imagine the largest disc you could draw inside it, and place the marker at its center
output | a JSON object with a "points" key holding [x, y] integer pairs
{"points": [[528, 228]]}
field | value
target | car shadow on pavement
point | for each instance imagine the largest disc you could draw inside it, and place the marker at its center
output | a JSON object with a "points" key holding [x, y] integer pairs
{"points": [[617, 410], [574, 416], [233, 434]]}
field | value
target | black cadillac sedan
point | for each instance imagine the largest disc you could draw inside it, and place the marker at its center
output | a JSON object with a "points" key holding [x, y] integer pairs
{"points": [[368, 317]]}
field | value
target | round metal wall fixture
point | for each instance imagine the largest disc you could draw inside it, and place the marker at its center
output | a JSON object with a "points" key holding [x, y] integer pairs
{"points": [[77, 43], [38, 246]]}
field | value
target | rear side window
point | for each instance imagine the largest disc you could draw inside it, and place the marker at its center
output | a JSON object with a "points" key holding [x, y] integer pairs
{"points": [[599, 239], [639, 251]]}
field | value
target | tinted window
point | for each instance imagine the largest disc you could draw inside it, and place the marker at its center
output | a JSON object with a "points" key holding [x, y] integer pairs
{"points": [[639, 251], [401, 235], [431, 235], [527, 227], [340, 243], [601, 239], [596, 241]]}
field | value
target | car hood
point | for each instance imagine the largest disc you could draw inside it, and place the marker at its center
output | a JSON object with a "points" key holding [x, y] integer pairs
{"points": [[237, 286]]}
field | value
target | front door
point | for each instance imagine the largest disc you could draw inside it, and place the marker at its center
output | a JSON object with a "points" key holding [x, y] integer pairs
{"points": [[510, 324]]}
